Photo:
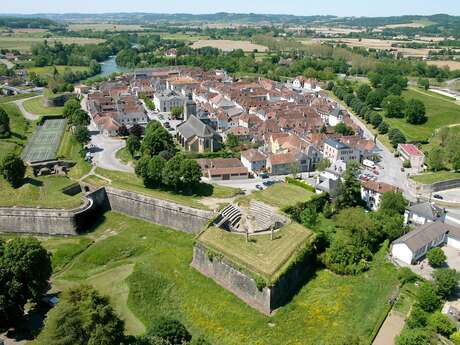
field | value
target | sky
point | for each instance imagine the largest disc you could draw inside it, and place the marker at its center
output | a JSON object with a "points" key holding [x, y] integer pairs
{"points": [[370, 8]]}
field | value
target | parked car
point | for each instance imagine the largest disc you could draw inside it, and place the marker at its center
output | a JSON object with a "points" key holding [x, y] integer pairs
{"points": [[259, 187], [264, 175], [268, 183], [167, 125], [439, 197]]}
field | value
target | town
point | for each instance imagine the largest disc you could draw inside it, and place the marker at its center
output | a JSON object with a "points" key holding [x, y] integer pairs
{"points": [[168, 183]]}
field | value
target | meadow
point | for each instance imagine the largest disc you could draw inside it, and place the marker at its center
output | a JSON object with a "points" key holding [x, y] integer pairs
{"points": [[145, 270], [229, 45], [25, 42], [35, 106]]}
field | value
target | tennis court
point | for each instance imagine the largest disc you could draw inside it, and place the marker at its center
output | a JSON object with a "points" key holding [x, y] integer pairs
{"points": [[44, 144]]}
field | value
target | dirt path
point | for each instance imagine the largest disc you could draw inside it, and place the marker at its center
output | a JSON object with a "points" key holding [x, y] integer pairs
{"points": [[391, 328], [25, 113]]}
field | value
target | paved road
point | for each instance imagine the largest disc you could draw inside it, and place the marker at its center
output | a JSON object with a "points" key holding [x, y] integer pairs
{"points": [[391, 328], [104, 153], [29, 116]]}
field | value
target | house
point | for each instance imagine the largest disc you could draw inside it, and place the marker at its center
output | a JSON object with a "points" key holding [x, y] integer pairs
{"points": [[223, 169], [423, 213], [196, 136], [335, 150], [335, 116], [254, 160], [372, 192], [411, 153], [166, 100], [285, 163], [415, 244]]}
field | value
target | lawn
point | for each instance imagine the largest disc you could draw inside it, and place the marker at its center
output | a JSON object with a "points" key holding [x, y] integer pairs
{"points": [[20, 129], [70, 149], [124, 155], [261, 255], [133, 183], [160, 282], [279, 195], [6, 99], [95, 181], [440, 110], [35, 106], [439, 176], [48, 70], [44, 192]]}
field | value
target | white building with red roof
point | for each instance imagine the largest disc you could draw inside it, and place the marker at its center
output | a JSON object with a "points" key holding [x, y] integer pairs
{"points": [[411, 153]]}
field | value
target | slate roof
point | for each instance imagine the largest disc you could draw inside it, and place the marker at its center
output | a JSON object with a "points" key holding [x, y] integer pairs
{"points": [[336, 144], [427, 210], [425, 234], [194, 127]]}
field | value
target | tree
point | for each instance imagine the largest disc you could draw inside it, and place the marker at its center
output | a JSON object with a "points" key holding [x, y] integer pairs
{"points": [[423, 83], [170, 330], [343, 129], [427, 297], [82, 135], [416, 336], [396, 137], [155, 171], [350, 190], [5, 130], [294, 169], [309, 217], [25, 268], [232, 141], [415, 112], [190, 173], [394, 106], [176, 112], [13, 169], [375, 98], [456, 162], [323, 164], [136, 130], [133, 144], [82, 317], [418, 318], [442, 324], [79, 117], [362, 92], [446, 280], [436, 257], [123, 131], [141, 168], [393, 202], [383, 127], [70, 107], [376, 119], [156, 139], [436, 158], [172, 172]]}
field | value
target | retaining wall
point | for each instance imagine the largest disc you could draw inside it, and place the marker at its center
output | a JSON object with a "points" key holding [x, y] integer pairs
{"points": [[158, 211], [244, 286], [419, 188]]}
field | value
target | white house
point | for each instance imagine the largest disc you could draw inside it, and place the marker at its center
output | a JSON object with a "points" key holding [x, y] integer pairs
{"points": [[424, 213], [334, 150], [411, 153], [254, 160], [415, 244], [372, 193]]}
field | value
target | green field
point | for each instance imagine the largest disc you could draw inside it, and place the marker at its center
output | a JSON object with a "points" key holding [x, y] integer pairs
{"points": [[6, 99], [70, 149], [145, 269], [279, 195], [261, 255], [440, 110], [45, 192], [439, 176], [35, 106], [49, 70], [24, 43], [132, 182], [20, 128]]}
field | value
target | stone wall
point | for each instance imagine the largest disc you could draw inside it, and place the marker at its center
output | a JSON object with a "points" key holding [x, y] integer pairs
{"points": [[244, 286], [419, 188], [52, 221], [158, 211]]}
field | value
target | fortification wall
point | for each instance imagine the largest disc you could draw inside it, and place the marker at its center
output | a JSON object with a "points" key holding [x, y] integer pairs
{"points": [[158, 211], [419, 188]]}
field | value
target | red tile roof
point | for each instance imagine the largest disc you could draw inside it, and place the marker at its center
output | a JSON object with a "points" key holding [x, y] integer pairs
{"points": [[411, 149]]}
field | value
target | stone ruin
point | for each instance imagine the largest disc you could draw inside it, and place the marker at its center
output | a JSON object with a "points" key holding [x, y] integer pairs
{"points": [[255, 218]]}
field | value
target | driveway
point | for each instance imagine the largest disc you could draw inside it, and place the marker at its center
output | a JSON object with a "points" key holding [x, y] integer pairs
{"points": [[104, 152], [25, 113]]}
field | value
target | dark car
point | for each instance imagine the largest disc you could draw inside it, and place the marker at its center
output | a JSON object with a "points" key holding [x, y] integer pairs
{"points": [[268, 183], [167, 125], [264, 175], [259, 187], [437, 196]]}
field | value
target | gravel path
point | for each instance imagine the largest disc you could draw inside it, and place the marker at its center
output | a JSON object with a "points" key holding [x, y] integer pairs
{"points": [[29, 116], [391, 328]]}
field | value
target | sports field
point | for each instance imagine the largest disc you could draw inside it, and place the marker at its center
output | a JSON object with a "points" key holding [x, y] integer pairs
{"points": [[45, 142]]}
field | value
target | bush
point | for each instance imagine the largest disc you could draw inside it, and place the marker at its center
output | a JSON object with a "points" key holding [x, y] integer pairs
{"points": [[442, 324], [446, 280], [406, 164], [13, 169], [416, 336], [418, 318], [405, 275], [300, 183], [436, 257], [170, 330], [428, 298], [4, 124]]}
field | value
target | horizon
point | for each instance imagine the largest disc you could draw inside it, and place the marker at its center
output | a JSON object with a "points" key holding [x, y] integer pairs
{"points": [[353, 8]]}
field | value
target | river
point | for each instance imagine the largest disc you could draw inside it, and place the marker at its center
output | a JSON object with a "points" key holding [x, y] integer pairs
{"points": [[110, 66]]}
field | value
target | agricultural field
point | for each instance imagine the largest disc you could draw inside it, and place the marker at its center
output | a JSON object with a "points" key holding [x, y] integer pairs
{"points": [[35, 106], [279, 195], [134, 183], [145, 270], [453, 65], [49, 70], [229, 45], [105, 27], [416, 24], [179, 36], [25, 42], [260, 255]]}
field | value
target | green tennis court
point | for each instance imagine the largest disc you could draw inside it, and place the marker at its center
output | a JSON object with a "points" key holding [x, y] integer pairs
{"points": [[44, 144]]}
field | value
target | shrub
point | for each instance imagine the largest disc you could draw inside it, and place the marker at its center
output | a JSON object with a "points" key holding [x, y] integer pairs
{"points": [[416, 336], [418, 318], [405, 275], [300, 183], [436, 257], [170, 330], [446, 280], [427, 297], [4, 124], [13, 169], [442, 324]]}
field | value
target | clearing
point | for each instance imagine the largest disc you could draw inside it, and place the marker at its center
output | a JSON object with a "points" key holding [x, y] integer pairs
{"points": [[229, 45], [162, 283], [261, 255]]}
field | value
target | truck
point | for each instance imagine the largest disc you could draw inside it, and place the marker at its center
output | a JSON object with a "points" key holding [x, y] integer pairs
{"points": [[368, 163]]}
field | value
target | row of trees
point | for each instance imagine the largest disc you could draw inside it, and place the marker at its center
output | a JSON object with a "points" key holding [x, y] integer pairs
{"points": [[345, 92], [5, 130], [78, 119], [446, 155]]}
